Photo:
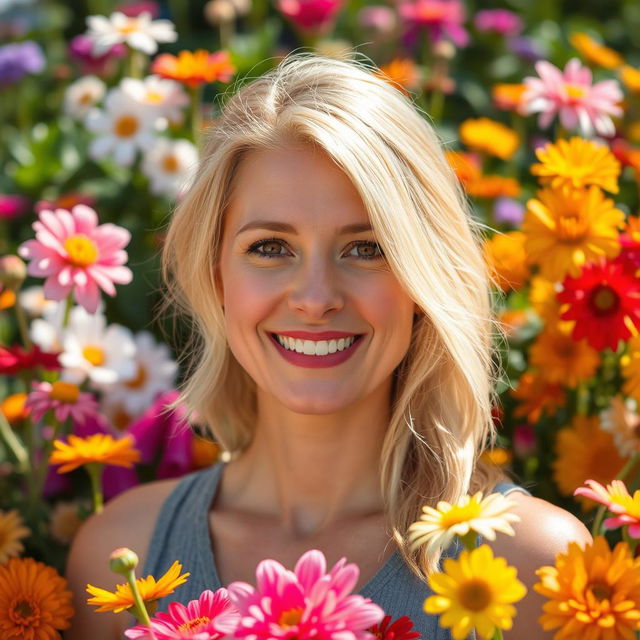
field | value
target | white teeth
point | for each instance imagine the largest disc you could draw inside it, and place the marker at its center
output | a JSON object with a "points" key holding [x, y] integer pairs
{"points": [[315, 347]]}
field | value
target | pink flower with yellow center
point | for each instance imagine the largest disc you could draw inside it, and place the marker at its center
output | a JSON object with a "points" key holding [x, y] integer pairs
{"points": [[615, 496], [571, 96], [76, 254], [64, 399]]}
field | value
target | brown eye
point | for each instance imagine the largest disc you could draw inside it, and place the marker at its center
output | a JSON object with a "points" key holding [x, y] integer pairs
{"points": [[271, 248], [365, 250]]}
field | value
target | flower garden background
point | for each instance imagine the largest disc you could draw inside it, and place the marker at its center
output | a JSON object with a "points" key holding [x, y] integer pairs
{"points": [[104, 107]]}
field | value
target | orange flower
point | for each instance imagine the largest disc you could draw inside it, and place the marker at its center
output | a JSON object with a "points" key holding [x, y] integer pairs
{"points": [[508, 97], [203, 452], [402, 73], [14, 408], [493, 186], [34, 601], [630, 76], [7, 298], [543, 298], [512, 321], [595, 52], [98, 448], [497, 457], [537, 396], [12, 530], [505, 255], [465, 165], [194, 68], [489, 136]]}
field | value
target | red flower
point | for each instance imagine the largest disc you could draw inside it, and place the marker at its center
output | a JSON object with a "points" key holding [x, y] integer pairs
{"points": [[603, 301], [400, 629], [15, 359], [630, 245]]}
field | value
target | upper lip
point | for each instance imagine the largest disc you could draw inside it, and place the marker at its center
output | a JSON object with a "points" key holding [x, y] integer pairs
{"points": [[316, 335]]}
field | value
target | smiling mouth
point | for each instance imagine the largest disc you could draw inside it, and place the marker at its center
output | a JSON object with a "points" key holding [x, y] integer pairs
{"points": [[316, 347]]}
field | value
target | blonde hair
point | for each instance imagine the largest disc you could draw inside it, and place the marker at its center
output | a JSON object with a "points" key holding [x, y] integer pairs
{"points": [[443, 392]]}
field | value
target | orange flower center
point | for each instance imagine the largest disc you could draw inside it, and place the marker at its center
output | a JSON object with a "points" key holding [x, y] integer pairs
{"points": [[125, 126], [192, 625], [128, 27], [120, 419], [604, 300], [154, 97], [25, 612], [474, 595], [575, 92], [571, 227], [291, 617], [81, 251], [85, 98], [170, 164], [601, 591], [64, 392], [93, 354], [139, 380]]}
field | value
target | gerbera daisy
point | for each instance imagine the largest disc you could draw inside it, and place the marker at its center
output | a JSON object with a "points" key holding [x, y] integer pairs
{"points": [[507, 96], [306, 602], [506, 258], [624, 507], [35, 602], [577, 163], [440, 18], [595, 52], [65, 521], [489, 136], [14, 409], [593, 592], [560, 358], [493, 186], [604, 301], [194, 68], [80, 96], [99, 448], [311, 16], [536, 396], [210, 617], [76, 254], [475, 592], [630, 366], [571, 95], [565, 230], [471, 515], [630, 77], [399, 629], [630, 245], [543, 298], [12, 530], [402, 73], [150, 590], [170, 166], [584, 450], [621, 419], [64, 399]]}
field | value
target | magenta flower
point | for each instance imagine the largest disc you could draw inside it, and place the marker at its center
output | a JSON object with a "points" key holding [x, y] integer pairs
{"points": [[314, 16], [210, 617], [571, 95], [73, 253], [12, 206], [304, 603], [441, 18], [501, 21], [64, 399]]}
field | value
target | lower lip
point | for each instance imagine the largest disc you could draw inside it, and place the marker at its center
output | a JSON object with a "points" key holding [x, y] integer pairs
{"points": [[316, 362]]}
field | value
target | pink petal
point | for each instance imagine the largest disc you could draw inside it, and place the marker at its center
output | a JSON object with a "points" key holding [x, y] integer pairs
{"points": [[549, 73], [85, 217], [310, 568], [110, 237], [52, 223], [50, 240], [53, 289], [634, 530], [88, 296], [102, 280], [118, 274], [114, 259]]}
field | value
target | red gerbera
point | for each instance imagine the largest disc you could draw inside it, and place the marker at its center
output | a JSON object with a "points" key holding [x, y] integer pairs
{"points": [[15, 359], [400, 629], [630, 244], [604, 301]]}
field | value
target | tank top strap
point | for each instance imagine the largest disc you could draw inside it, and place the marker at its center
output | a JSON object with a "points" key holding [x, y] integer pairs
{"points": [[505, 488]]}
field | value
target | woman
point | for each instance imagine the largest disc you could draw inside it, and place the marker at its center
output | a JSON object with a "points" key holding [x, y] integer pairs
{"points": [[343, 353]]}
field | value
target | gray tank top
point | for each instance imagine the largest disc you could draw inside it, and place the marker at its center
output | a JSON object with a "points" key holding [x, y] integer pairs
{"points": [[182, 533]]}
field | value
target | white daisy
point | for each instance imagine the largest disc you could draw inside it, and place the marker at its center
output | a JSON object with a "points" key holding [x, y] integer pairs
{"points": [[170, 165], [156, 373], [91, 349], [47, 331], [123, 127], [82, 95], [34, 303], [139, 32], [166, 96]]}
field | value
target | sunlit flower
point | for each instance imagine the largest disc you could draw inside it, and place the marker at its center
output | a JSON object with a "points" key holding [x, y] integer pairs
{"points": [[465, 165], [440, 18], [630, 244], [615, 496], [402, 73], [210, 617], [35, 602], [605, 303], [630, 366], [584, 450], [537, 396], [14, 408], [493, 186], [150, 590], [12, 531], [480, 515], [64, 521], [306, 602], [76, 254], [571, 96], [33, 301], [497, 456], [165, 97], [543, 298], [317, 16], [80, 96], [98, 448], [194, 68], [507, 260], [630, 77], [508, 97], [399, 629], [63, 399], [501, 21], [139, 32], [170, 165], [475, 592], [15, 359], [593, 592], [577, 163], [489, 136], [595, 52], [565, 230]]}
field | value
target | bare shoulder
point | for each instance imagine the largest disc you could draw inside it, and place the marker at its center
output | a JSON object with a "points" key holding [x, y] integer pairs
{"points": [[127, 521]]}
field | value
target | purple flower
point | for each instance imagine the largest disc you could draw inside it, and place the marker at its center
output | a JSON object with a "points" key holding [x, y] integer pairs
{"points": [[525, 48], [502, 21], [508, 211], [19, 59], [81, 50], [12, 206]]}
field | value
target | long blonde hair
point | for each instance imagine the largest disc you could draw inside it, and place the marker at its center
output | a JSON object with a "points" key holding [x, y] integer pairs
{"points": [[443, 392]]}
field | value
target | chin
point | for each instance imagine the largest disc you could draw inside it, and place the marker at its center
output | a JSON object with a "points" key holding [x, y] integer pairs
{"points": [[317, 402]]}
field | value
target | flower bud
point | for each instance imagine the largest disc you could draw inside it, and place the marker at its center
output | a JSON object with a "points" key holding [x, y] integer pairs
{"points": [[219, 11], [13, 271], [123, 560]]}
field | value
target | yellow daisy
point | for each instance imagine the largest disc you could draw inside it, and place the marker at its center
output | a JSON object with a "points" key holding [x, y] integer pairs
{"points": [[470, 515], [12, 531], [477, 591], [567, 229], [630, 77], [98, 448], [489, 136], [543, 298], [150, 591], [505, 255], [630, 366], [595, 52], [577, 163], [593, 593]]}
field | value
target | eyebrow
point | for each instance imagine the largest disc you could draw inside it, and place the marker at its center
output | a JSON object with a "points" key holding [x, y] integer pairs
{"points": [[285, 227]]}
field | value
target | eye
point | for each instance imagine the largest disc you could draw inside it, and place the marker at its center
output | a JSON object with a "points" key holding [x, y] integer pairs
{"points": [[365, 249], [269, 248]]}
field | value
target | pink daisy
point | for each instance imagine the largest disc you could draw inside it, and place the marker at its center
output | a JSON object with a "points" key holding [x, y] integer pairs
{"points": [[210, 617], [64, 399], [304, 603], [571, 95], [72, 252], [440, 18]]}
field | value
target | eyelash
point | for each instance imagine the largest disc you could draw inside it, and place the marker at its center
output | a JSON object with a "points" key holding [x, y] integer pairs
{"points": [[254, 248]]}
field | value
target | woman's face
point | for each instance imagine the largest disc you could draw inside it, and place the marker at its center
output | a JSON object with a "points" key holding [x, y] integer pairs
{"points": [[312, 311]]}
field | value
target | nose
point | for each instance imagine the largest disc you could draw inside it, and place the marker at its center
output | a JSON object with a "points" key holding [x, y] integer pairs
{"points": [[316, 290]]}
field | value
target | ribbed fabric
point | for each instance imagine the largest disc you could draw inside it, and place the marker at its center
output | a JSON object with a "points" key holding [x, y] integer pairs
{"points": [[182, 533]]}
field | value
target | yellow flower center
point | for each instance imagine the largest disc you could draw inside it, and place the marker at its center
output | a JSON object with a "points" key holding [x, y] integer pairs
{"points": [[64, 392], [604, 300], [139, 380], [128, 27], [571, 227], [601, 591], [474, 595], [460, 513], [24, 612], [170, 164], [575, 92], [125, 126], [93, 354], [85, 98], [290, 618], [154, 97], [193, 624], [81, 251]]}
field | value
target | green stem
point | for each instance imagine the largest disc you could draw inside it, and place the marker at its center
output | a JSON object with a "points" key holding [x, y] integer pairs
{"points": [[95, 475], [196, 115], [136, 63], [67, 311], [582, 399], [497, 634], [139, 610], [14, 445]]}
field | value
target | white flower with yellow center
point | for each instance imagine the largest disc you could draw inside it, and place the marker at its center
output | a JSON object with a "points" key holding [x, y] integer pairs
{"points": [[165, 96], [121, 128], [33, 302], [82, 95], [170, 165], [47, 331], [138, 32]]}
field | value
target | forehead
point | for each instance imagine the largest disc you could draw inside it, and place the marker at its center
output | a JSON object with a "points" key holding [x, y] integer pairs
{"points": [[298, 185]]}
